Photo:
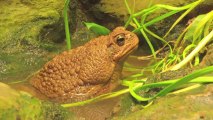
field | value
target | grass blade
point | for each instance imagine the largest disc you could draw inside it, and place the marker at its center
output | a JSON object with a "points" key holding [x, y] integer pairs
{"points": [[201, 45], [185, 80], [98, 29], [66, 23], [182, 16]]}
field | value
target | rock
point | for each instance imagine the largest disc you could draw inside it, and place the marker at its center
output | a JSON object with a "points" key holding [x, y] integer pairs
{"points": [[118, 9], [22, 21], [79, 13], [26, 28], [193, 105], [21, 105]]}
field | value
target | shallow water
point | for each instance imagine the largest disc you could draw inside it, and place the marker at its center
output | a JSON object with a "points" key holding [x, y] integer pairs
{"points": [[16, 67], [94, 111]]}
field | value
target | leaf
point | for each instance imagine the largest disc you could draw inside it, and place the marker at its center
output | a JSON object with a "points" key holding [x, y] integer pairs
{"points": [[66, 24], [195, 77], [201, 26], [189, 34], [192, 6], [98, 29]]}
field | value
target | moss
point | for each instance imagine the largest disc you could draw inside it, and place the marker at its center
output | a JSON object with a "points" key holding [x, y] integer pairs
{"points": [[23, 20], [22, 106], [24, 37], [55, 112]]}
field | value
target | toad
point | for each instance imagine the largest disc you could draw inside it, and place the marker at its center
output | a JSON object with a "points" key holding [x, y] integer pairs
{"points": [[86, 71]]}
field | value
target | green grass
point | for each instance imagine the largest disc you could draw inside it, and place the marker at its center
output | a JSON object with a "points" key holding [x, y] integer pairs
{"points": [[198, 34], [179, 56], [66, 24], [139, 19]]}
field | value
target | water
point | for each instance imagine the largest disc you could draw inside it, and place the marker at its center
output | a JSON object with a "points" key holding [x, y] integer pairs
{"points": [[94, 111]]}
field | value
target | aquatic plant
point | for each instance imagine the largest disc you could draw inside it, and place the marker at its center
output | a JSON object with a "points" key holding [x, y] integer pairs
{"points": [[98, 29], [142, 26], [173, 84], [199, 32], [138, 85], [66, 24]]}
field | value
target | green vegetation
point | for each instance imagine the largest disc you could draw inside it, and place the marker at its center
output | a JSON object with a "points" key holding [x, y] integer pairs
{"points": [[142, 26], [21, 105], [185, 51], [98, 29], [138, 85], [175, 54], [198, 34], [186, 48], [171, 84], [66, 24]]}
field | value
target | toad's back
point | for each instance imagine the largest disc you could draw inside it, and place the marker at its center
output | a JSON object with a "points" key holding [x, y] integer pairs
{"points": [[86, 71]]}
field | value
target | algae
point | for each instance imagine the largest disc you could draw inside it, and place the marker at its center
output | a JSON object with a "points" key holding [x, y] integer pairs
{"points": [[21, 105], [21, 22]]}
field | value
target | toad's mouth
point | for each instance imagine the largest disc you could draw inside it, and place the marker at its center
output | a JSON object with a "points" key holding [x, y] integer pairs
{"points": [[125, 53]]}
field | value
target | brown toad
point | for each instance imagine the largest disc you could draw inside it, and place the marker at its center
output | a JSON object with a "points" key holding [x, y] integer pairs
{"points": [[88, 70]]}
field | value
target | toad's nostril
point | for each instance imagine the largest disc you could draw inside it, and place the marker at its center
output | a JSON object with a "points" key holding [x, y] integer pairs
{"points": [[128, 36]]}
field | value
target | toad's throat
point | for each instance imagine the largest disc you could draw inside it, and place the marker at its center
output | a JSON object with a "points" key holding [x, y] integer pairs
{"points": [[124, 54]]}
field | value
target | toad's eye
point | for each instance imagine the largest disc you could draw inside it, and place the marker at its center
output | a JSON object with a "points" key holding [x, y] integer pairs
{"points": [[120, 39]]}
